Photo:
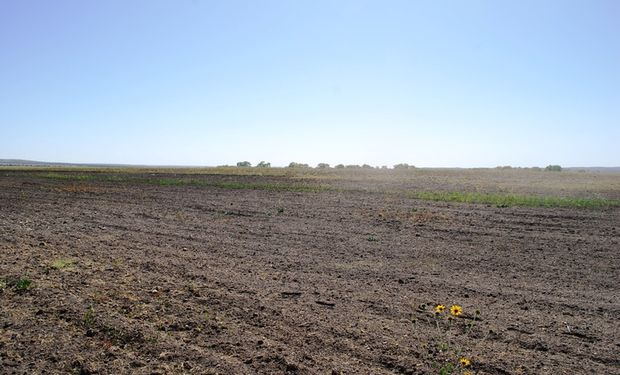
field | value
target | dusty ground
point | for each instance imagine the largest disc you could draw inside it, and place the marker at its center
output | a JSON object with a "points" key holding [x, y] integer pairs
{"points": [[198, 279]]}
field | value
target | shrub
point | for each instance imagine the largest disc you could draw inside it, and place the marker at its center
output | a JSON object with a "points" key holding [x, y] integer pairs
{"points": [[244, 164], [322, 166], [298, 165], [339, 166], [403, 166], [263, 164], [553, 168]]}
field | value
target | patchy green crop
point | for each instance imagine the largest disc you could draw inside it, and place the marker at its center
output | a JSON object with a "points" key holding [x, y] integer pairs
{"points": [[508, 200]]}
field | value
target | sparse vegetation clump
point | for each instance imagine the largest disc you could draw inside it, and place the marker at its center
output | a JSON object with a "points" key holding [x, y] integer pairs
{"points": [[322, 166], [23, 284], [508, 200], [441, 350], [298, 165], [403, 166], [62, 263], [89, 319], [244, 164], [263, 164], [553, 168]]}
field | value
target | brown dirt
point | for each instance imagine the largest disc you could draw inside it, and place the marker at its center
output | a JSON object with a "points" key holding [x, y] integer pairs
{"points": [[187, 279]]}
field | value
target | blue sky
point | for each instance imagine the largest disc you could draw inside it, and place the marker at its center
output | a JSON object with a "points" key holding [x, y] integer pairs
{"points": [[430, 83]]}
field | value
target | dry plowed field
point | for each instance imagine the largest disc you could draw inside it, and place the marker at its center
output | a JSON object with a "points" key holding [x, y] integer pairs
{"points": [[127, 277]]}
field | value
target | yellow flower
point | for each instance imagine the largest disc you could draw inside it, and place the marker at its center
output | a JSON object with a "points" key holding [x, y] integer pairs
{"points": [[439, 309], [464, 362], [456, 310]]}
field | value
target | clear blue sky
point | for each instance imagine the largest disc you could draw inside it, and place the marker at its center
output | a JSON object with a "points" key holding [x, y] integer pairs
{"points": [[430, 83]]}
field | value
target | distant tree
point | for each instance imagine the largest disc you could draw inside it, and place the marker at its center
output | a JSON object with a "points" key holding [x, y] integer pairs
{"points": [[537, 169], [263, 164], [244, 164], [553, 168], [403, 166], [298, 165], [339, 166], [384, 167], [353, 166], [322, 166], [367, 166]]}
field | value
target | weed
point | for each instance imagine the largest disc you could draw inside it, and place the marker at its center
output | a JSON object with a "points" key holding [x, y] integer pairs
{"points": [[442, 352], [447, 369], [280, 210], [2, 284], [89, 319], [62, 263], [23, 284], [372, 238]]}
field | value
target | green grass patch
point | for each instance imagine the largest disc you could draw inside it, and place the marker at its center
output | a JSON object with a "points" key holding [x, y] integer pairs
{"points": [[508, 200], [62, 263]]}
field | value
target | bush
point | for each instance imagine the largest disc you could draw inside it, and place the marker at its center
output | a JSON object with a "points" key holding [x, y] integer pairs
{"points": [[339, 166], [244, 164], [322, 166], [403, 166], [553, 168], [298, 165], [263, 164]]}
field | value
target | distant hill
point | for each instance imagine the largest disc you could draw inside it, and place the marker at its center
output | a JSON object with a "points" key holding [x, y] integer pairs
{"points": [[33, 163]]}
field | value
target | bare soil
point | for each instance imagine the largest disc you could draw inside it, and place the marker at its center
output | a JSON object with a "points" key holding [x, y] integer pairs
{"points": [[205, 280]]}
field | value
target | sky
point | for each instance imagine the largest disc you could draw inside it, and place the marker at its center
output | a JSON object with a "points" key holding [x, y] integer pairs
{"points": [[197, 82]]}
